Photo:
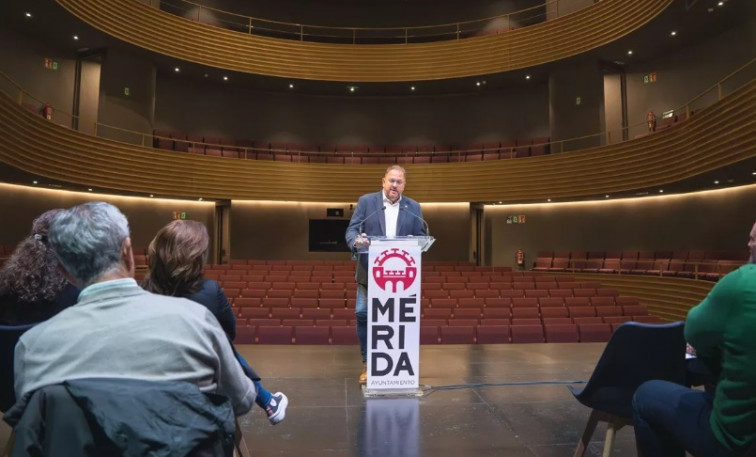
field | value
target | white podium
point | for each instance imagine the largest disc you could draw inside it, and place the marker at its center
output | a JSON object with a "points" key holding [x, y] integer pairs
{"points": [[394, 296]]}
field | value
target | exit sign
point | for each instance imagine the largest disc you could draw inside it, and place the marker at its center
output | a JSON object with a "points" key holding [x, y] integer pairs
{"points": [[179, 215], [649, 78], [51, 64]]}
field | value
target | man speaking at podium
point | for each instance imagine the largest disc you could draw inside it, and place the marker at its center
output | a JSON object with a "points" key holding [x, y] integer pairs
{"points": [[384, 213]]}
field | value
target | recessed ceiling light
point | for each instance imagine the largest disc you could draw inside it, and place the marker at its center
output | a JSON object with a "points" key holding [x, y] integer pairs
{"points": [[527, 76], [177, 69], [152, 195], [291, 86], [477, 83], [76, 37], [548, 199], [753, 173], [629, 52], [661, 191], [500, 203], [206, 75], [225, 78], [606, 196], [718, 4], [716, 182], [352, 88], [35, 182], [199, 199], [673, 33], [28, 14], [90, 189], [412, 88]]}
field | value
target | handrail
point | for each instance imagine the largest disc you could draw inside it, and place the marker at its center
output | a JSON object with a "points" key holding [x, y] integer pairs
{"points": [[355, 35], [745, 73]]}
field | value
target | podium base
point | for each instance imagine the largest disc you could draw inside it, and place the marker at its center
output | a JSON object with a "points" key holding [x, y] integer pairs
{"points": [[391, 393]]}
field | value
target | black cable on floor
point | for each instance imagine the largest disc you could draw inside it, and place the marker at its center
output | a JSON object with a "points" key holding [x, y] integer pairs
{"points": [[427, 389]]}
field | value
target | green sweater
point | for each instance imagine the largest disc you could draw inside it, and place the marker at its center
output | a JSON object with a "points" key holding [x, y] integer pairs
{"points": [[722, 329]]}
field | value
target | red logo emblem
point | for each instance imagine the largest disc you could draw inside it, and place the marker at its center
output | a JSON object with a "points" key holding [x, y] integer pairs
{"points": [[393, 267]]}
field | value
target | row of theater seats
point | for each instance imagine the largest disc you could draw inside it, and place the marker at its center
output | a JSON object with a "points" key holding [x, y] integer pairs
{"points": [[696, 264], [355, 154], [498, 331]]}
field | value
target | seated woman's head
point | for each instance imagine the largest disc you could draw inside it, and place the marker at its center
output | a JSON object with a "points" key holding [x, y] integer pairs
{"points": [[31, 273], [176, 258]]}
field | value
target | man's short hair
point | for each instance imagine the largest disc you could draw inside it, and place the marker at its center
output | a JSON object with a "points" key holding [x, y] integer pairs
{"points": [[87, 240], [396, 167]]}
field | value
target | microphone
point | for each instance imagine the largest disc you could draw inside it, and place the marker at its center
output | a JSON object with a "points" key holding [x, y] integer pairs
{"points": [[362, 222], [406, 209]]}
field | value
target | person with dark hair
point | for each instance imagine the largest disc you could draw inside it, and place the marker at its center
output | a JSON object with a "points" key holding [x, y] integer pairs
{"points": [[177, 257], [670, 419], [32, 289], [118, 330], [383, 213]]}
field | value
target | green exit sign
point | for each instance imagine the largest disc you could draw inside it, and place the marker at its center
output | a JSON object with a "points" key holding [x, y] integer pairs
{"points": [[649, 78]]}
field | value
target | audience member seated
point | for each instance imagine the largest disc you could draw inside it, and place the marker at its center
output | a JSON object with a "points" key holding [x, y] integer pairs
{"points": [[32, 289], [118, 330], [671, 419], [177, 257]]}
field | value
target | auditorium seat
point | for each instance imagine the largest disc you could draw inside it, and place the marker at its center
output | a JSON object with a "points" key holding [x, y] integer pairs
{"points": [[547, 302], [634, 310], [601, 292], [587, 320], [527, 333], [312, 335], [429, 334], [342, 313], [316, 313], [561, 333], [556, 320], [581, 311], [577, 301], [554, 312], [616, 320], [602, 301], [594, 333], [344, 335], [245, 334], [468, 313], [274, 334], [526, 321], [530, 302], [524, 312], [602, 311], [493, 334], [254, 313], [285, 313], [436, 313], [459, 334], [302, 303], [497, 313], [298, 322]]}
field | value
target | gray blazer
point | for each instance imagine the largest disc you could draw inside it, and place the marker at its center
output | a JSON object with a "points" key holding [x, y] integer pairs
{"points": [[371, 219]]}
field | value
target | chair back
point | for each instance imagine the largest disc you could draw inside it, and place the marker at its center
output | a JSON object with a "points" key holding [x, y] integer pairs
{"points": [[9, 336], [636, 352]]}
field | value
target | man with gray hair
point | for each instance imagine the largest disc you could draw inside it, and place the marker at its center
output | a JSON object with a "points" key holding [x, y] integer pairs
{"points": [[117, 329]]}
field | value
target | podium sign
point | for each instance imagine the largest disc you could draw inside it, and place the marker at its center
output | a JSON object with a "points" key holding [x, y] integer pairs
{"points": [[394, 276]]}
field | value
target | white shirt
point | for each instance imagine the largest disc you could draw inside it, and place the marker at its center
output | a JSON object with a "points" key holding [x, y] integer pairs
{"points": [[392, 215]]}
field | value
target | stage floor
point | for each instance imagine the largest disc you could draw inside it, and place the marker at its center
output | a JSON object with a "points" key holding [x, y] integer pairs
{"points": [[527, 412]]}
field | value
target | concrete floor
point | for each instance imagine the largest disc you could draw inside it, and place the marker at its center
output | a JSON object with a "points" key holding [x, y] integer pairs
{"points": [[528, 411]]}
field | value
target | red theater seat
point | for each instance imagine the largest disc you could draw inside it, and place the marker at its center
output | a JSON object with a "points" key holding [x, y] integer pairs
{"points": [[561, 333], [463, 334], [527, 333], [274, 334], [312, 335], [493, 334]]}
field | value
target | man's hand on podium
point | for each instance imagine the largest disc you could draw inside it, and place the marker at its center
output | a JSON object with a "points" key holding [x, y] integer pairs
{"points": [[361, 241]]}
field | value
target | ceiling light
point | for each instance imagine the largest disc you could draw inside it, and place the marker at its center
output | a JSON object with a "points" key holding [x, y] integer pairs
{"points": [[90, 189], [548, 199], [35, 182], [199, 199], [500, 203], [477, 83], [76, 37], [718, 4], [177, 69], [225, 78], [716, 182], [352, 88], [753, 173], [152, 195], [606, 196], [661, 191], [629, 52], [673, 33], [291, 86], [206, 75], [527, 76], [412, 88], [28, 14]]}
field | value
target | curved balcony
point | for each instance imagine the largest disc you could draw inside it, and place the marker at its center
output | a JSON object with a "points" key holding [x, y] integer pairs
{"points": [[719, 135], [167, 34]]}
